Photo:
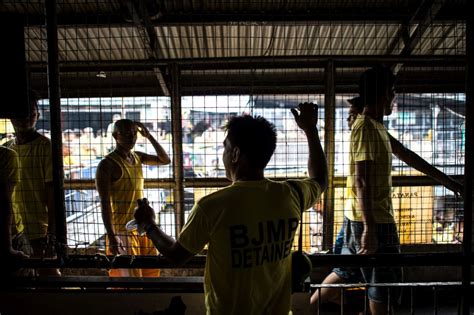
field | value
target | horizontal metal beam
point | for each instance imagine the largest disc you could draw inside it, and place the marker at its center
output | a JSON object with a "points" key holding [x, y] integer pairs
{"points": [[339, 181], [339, 15], [295, 62], [125, 261]]}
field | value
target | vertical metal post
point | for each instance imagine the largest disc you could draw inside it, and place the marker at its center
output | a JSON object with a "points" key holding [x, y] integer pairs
{"points": [[178, 192], [468, 165], [56, 128], [329, 145]]}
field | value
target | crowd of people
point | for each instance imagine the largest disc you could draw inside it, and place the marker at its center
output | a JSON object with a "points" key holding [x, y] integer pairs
{"points": [[249, 226]]}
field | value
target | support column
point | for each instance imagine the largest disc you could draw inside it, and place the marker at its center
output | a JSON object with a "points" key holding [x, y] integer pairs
{"points": [[329, 145], [178, 192]]}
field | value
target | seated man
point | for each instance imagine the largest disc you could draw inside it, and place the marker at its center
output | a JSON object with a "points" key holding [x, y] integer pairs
{"points": [[250, 225]]}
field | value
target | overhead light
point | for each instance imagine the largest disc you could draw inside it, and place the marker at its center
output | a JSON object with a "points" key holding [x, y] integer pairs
{"points": [[101, 74]]}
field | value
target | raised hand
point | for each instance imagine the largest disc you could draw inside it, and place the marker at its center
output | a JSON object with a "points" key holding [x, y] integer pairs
{"points": [[307, 118], [142, 129]]}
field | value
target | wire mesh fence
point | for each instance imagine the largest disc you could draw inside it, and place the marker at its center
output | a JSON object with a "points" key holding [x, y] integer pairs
{"points": [[116, 62]]}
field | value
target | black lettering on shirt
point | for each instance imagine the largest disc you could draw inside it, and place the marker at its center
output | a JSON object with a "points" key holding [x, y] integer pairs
{"points": [[271, 243], [260, 235], [276, 233], [238, 236]]}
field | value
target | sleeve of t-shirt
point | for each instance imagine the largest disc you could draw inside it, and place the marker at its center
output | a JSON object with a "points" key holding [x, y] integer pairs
{"points": [[195, 233], [309, 189], [9, 171], [364, 143]]}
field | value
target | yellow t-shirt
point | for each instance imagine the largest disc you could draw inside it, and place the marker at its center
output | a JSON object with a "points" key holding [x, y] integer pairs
{"points": [[125, 191], [370, 142], [249, 227], [10, 174], [30, 195]]}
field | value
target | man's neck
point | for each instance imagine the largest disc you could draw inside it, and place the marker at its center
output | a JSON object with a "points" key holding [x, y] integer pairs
{"points": [[123, 153], [242, 176], [25, 136], [371, 112]]}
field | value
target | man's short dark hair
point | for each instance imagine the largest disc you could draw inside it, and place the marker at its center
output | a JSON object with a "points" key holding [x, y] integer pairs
{"points": [[374, 82], [121, 124], [255, 137]]}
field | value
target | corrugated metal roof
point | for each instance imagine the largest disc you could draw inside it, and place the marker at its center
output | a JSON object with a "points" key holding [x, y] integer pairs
{"points": [[214, 41], [95, 32]]}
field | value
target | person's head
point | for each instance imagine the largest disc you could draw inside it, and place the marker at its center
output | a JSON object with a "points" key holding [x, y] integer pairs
{"points": [[356, 107], [116, 117], [69, 135], [376, 89], [125, 133], [250, 142], [29, 122], [88, 132]]}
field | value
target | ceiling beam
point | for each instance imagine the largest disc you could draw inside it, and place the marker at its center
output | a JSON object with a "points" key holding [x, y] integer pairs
{"points": [[427, 11], [142, 21], [264, 83], [350, 15], [276, 62]]}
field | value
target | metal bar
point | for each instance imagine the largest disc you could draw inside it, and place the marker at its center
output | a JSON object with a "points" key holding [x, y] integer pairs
{"points": [[342, 300], [84, 184], [72, 89], [178, 191], [56, 129], [468, 172], [172, 284], [126, 261], [338, 181], [259, 62], [432, 8], [422, 26], [403, 31], [366, 302], [153, 45], [329, 148], [148, 37], [456, 11]]}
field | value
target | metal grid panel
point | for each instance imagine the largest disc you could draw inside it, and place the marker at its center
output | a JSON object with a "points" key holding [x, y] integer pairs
{"points": [[425, 213]]}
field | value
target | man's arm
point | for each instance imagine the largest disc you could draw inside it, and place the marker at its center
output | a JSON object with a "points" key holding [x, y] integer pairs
{"points": [[6, 216], [103, 182], [167, 246], [364, 182], [417, 162], [317, 164], [161, 157]]}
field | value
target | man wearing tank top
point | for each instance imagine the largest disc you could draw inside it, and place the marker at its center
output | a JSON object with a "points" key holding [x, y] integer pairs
{"points": [[119, 181]]}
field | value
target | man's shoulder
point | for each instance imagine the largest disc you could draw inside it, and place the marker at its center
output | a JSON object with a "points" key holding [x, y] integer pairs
{"points": [[6, 153], [218, 195], [362, 121], [107, 163], [41, 140]]}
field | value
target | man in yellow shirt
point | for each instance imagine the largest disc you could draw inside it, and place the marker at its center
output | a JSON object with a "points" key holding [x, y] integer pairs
{"points": [[368, 217], [119, 182], [33, 195], [250, 225], [10, 220]]}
